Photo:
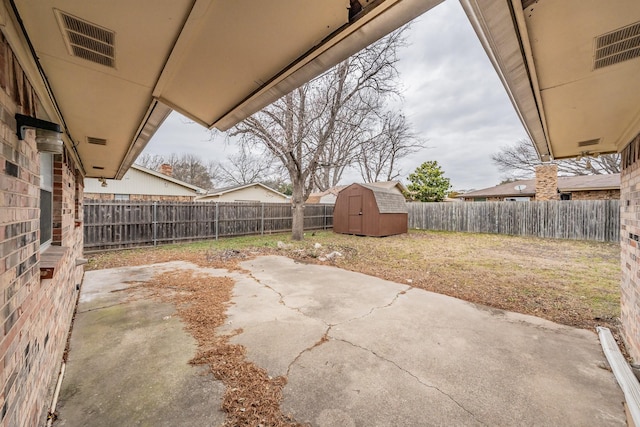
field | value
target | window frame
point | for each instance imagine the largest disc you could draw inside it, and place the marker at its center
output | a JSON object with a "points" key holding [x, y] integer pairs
{"points": [[46, 185]]}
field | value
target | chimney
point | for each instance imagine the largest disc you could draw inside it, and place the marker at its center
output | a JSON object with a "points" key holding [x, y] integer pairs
{"points": [[547, 182], [166, 169]]}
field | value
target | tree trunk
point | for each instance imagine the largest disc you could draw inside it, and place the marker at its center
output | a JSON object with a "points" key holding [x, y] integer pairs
{"points": [[297, 204]]}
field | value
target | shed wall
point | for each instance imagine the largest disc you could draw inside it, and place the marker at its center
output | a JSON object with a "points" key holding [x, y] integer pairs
{"points": [[373, 223]]}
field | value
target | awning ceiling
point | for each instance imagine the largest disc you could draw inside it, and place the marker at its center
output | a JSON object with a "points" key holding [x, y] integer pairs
{"points": [[117, 68], [545, 51]]}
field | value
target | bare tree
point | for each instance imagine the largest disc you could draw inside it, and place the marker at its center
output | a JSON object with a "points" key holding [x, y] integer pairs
{"points": [[246, 167], [298, 128], [150, 161], [394, 140], [185, 167], [520, 160]]}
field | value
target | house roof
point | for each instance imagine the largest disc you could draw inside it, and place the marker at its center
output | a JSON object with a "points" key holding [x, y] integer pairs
{"points": [[565, 184], [140, 180], [315, 197], [169, 178], [231, 188], [388, 201]]}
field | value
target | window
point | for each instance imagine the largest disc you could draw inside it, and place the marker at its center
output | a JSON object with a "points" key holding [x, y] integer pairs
{"points": [[480, 199], [565, 196], [517, 199], [46, 199], [122, 197]]}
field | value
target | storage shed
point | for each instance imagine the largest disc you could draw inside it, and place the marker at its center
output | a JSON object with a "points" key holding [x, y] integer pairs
{"points": [[367, 210]]}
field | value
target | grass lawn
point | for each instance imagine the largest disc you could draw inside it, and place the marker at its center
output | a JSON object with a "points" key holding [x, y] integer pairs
{"points": [[571, 282]]}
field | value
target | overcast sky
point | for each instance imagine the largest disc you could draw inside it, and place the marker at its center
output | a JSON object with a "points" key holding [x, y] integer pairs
{"points": [[452, 97]]}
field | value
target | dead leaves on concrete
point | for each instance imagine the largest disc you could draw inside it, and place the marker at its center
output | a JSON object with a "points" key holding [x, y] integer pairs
{"points": [[252, 398]]}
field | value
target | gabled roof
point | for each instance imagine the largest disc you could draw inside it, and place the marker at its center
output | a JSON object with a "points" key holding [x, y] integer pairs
{"points": [[565, 184], [388, 201], [140, 180], [230, 189], [169, 178], [589, 182]]}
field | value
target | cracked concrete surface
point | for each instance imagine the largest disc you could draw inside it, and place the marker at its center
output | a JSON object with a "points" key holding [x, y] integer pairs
{"points": [[356, 350], [129, 359], [361, 351]]}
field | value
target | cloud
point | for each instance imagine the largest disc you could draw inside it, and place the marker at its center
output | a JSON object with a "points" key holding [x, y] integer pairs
{"points": [[452, 97]]}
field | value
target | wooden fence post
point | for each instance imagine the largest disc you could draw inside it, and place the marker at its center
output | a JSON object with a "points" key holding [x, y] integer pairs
{"points": [[155, 223]]}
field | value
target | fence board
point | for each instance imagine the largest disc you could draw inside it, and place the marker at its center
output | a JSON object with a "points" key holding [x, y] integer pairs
{"points": [[575, 219], [123, 224]]}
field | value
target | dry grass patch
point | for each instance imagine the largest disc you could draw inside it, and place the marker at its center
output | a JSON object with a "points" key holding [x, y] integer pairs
{"points": [[575, 283]]}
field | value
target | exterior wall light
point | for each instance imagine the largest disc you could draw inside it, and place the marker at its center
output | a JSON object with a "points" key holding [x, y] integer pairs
{"points": [[48, 134]]}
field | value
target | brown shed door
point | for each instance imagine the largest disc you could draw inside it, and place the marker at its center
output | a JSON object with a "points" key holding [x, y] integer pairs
{"points": [[355, 214]]}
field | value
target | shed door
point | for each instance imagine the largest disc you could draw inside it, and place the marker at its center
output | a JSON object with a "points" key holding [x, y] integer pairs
{"points": [[355, 214]]}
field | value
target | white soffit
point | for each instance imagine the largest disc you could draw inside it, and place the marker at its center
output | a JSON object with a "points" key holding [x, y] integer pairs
{"points": [[580, 101], [229, 49], [108, 101]]}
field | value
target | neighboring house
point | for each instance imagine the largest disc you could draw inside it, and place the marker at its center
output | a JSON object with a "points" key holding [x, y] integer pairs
{"points": [[582, 187], [142, 184], [327, 196], [244, 193], [330, 195]]}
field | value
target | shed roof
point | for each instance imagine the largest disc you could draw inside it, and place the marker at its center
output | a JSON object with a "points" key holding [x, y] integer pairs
{"points": [[388, 201]]}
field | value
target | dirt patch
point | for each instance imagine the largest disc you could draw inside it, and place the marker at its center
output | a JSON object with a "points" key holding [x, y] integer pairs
{"points": [[252, 398]]}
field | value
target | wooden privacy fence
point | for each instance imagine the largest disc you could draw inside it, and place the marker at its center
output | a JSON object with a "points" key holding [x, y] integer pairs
{"points": [[121, 224], [571, 219]]}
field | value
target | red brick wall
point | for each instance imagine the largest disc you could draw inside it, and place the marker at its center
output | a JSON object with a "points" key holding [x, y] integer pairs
{"points": [[34, 314], [630, 247], [595, 195]]}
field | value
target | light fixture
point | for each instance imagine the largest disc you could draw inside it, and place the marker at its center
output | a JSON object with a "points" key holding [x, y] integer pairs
{"points": [[48, 134], [103, 182]]}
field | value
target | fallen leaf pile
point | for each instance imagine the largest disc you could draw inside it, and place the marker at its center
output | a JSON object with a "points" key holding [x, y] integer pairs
{"points": [[251, 398]]}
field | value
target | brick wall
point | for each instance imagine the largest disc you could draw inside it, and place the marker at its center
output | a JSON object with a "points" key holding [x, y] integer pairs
{"points": [[630, 247], [35, 314], [595, 195], [547, 182]]}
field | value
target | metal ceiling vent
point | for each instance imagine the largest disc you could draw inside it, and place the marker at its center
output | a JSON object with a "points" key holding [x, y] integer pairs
{"points": [[96, 141], [589, 142], [617, 46], [88, 41]]}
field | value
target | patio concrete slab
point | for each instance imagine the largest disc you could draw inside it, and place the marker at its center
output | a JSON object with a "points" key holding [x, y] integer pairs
{"points": [[129, 360], [392, 355], [357, 351]]}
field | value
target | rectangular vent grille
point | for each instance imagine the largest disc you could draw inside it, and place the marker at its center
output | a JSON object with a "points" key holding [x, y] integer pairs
{"points": [[96, 141], [618, 46], [88, 41], [589, 142], [98, 167]]}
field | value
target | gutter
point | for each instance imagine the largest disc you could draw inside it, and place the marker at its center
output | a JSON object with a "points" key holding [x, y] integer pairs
{"points": [[623, 373]]}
